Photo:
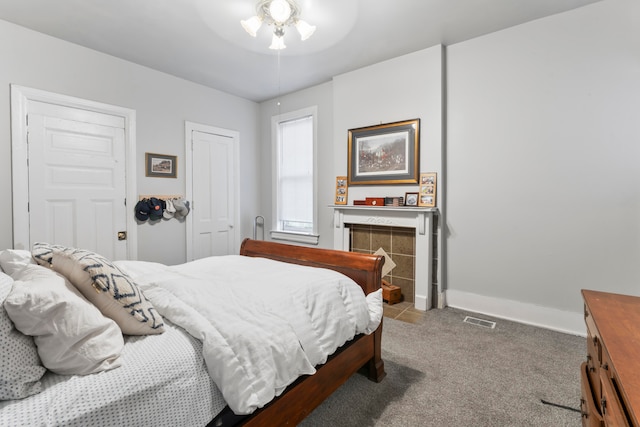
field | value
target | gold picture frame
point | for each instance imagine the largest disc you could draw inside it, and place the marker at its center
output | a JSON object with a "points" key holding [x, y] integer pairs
{"points": [[428, 186], [341, 190], [384, 154]]}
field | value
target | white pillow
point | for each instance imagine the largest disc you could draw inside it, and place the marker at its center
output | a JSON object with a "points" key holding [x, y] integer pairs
{"points": [[111, 290], [72, 336], [20, 367], [12, 260]]}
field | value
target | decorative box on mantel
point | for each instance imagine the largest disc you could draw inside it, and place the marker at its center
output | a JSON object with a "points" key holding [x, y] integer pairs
{"points": [[420, 219]]}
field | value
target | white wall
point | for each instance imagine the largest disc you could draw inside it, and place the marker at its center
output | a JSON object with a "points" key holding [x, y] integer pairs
{"points": [[543, 144], [162, 103]]}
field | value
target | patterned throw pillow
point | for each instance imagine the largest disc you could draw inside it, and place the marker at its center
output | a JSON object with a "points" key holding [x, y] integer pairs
{"points": [[20, 367], [43, 252], [112, 291]]}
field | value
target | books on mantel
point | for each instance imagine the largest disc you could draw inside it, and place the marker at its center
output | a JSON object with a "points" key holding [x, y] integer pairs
{"points": [[394, 201], [380, 201]]}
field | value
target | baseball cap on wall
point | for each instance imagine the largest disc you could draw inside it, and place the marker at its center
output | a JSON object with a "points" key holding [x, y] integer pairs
{"points": [[169, 210], [142, 210], [182, 208], [155, 205]]}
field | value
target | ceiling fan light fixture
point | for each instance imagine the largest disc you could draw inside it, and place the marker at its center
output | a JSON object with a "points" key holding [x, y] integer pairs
{"points": [[252, 25], [279, 13]]}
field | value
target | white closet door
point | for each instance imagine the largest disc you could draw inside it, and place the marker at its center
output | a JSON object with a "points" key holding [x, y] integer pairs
{"points": [[213, 175]]}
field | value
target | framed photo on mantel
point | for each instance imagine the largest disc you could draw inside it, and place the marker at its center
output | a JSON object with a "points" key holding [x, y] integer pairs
{"points": [[384, 154], [427, 193], [341, 190], [411, 199]]}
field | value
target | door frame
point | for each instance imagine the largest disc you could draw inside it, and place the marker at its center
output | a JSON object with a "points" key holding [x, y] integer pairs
{"points": [[189, 128], [20, 97]]}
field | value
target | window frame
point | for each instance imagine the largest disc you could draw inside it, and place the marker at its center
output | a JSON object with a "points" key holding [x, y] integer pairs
{"points": [[277, 233]]}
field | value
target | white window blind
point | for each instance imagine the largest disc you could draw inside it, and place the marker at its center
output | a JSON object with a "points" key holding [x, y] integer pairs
{"points": [[295, 176]]}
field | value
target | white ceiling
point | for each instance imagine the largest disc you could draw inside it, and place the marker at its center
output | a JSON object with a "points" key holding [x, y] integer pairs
{"points": [[202, 40]]}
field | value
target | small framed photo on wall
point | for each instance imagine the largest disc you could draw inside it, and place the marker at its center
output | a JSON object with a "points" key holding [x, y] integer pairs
{"points": [[161, 165], [427, 193], [341, 190]]}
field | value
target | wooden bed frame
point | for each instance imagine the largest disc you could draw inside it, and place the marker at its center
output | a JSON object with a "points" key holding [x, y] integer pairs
{"points": [[362, 353]]}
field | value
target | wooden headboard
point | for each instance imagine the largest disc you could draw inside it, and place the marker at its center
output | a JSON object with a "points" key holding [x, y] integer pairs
{"points": [[366, 270]]}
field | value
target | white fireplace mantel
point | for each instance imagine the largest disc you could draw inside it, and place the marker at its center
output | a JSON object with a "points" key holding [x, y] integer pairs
{"points": [[420, 219]]}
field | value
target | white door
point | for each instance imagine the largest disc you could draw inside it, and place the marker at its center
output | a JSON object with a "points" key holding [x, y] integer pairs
{"points": [[77, 187], [213, 185]]}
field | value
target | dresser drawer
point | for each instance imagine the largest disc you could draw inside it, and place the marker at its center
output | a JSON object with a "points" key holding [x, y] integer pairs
{"points": [[594, 360], [611, 408], [588, 408], [592, 332]]}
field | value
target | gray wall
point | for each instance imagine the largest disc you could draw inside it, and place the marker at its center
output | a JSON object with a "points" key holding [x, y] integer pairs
{"points": [[542, 158], [162, 103], [407, 87]]}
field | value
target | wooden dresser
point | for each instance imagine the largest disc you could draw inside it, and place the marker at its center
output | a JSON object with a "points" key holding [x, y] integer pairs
{"points": [[610, 378]]}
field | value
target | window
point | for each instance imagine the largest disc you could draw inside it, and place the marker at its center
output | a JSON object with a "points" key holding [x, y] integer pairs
{"points": [[294, 137]]}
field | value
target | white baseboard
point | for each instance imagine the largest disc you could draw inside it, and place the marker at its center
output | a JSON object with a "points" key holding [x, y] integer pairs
{"points": [[420, 302], [530, 314]]}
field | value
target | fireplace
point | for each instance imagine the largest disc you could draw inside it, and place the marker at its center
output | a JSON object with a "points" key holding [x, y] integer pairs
{"points": [[352, 222], [400, 245]]}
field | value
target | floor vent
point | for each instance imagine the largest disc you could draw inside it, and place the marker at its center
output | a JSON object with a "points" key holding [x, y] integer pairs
{"points": [[480, 322]]}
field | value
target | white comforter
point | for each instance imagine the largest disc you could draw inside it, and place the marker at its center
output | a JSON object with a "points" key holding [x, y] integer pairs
{"points": [[263, 323]]}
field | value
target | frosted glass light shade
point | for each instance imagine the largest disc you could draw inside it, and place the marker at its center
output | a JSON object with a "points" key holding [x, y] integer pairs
{"points": [[277, 43], [252, 25], [305, 29]]}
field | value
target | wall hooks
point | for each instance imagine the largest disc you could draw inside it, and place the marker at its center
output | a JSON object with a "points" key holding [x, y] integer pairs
{"points": [[161, 196]]}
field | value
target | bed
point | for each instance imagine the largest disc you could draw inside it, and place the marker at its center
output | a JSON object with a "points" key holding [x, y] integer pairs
{"points": [[167, 378]]}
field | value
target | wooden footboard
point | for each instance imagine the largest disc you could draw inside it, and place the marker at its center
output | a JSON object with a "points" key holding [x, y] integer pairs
{"points": [[364, 351]]}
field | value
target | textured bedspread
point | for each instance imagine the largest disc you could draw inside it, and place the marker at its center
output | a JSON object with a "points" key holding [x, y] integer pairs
{"points": [[263, 323], [131, 395]]}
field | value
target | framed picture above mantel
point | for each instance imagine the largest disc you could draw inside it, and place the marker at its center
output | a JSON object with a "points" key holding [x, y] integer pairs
{"points": [[384, 154]]}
